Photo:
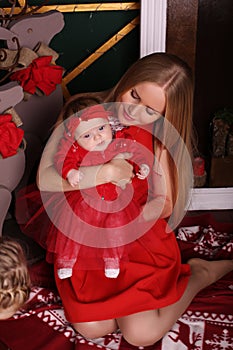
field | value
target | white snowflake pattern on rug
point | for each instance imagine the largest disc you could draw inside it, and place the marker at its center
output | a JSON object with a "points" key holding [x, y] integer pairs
{"points": [[221, 342]]}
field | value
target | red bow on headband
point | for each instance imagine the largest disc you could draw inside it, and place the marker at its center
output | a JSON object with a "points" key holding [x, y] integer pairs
{"points": [[39, 74], [10, 136]]}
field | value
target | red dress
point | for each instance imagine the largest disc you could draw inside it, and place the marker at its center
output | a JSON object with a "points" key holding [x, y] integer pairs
{"points": [[151, 277]]}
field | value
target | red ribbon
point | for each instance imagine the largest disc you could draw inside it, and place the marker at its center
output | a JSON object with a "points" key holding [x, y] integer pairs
{"points": [[10, 136], [39, 74]]}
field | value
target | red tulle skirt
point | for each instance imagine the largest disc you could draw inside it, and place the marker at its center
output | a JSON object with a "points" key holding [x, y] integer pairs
{"points": [[94, 225]]}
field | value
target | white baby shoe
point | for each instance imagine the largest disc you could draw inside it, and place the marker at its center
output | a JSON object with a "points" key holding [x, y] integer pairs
{"points": [[64, 273], [112, 273], [112, 268]]}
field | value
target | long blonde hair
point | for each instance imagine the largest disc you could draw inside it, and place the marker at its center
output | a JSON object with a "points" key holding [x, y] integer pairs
{"points": [[174, 76], [14, 275]]}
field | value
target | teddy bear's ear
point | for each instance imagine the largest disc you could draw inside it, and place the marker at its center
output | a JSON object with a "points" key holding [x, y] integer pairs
{"points": [[36, 28], [10, 95]]}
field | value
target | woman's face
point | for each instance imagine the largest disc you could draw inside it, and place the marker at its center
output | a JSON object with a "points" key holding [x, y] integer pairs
{"points": [[142, 104]]}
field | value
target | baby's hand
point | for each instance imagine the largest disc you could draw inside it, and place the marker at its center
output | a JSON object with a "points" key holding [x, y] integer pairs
{"points": [[143, 172], [74, 177]]}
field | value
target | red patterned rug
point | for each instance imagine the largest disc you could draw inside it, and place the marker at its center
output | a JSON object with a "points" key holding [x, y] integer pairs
{"points": [[206, 325]]}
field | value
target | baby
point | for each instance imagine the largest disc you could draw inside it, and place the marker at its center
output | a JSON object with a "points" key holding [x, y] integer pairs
{"points": [[88, 140], [14, 278]]}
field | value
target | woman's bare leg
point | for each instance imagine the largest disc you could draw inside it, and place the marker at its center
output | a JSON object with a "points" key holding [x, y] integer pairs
{"points": [[145, 328], [96, 329]]}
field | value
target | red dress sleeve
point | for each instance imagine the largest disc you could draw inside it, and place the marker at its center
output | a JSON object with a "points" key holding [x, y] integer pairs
{"points": [[66, 158]]}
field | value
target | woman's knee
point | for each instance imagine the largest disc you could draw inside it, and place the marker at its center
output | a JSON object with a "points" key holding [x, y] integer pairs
{"points": [[141, 329], [141, 337], [86, 331], [96, 329]]}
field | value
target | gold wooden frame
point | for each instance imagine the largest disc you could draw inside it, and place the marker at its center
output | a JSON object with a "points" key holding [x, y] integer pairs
{"points": [[93, 7]]}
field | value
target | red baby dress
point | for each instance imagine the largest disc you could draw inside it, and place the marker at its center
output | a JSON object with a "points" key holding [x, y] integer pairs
{"points": [[96, 223]]}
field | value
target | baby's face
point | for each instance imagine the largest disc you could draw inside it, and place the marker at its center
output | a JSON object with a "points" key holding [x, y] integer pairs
{"points": [[9, 312], [96, 139]]}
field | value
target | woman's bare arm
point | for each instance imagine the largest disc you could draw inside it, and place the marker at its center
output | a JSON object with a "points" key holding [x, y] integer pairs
{"points": [[161, 205]]}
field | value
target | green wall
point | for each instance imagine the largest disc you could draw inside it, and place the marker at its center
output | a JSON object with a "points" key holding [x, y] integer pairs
{"points": [[83, 33]]}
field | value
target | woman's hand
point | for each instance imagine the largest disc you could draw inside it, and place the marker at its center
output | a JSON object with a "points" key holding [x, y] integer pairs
{"points": [[74, 176], [118, 171]]}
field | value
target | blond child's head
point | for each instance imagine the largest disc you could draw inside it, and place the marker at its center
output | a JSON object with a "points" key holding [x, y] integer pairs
{"points": [[14, 278]]}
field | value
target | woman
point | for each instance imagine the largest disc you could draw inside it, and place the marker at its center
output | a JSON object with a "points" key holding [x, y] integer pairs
{"points": [[144, 301]]}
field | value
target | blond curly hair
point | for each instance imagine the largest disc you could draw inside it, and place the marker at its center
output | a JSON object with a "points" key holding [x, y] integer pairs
{"points": [[14, 275]]}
